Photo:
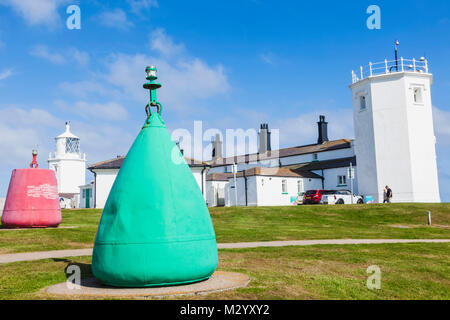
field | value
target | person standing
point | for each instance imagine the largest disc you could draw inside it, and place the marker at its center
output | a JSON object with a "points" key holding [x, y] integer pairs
{"points": [[385, 198], [389, 194]]}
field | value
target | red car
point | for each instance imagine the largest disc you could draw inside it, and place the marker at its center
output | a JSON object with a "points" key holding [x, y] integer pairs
{"points": [[314, 196]]}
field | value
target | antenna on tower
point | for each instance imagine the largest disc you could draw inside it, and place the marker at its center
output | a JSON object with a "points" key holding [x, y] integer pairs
{"points": [[397, 43]]}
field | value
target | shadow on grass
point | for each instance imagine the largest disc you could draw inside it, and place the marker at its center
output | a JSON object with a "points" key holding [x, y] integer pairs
{"points": [[85, 268]]}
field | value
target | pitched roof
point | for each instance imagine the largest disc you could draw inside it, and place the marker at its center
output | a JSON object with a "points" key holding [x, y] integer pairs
{"points": [[278, 172], [286, 152], [218, 176], [322, 165], [116, 163]]}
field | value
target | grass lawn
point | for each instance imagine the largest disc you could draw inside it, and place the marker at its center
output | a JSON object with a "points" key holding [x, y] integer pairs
{"points": [[409, 271], [261, 224]]}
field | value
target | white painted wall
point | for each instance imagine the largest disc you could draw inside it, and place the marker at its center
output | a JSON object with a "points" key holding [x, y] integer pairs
{"points": [[267, 191], [215, 193], [83, 195], [305, 158], [395, 142], [331, 179], [2, 205], [105, 179], [70, 174]]}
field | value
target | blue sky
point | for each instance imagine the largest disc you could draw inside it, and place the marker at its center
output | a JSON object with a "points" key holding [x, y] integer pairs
{"points": [[231, 64]]}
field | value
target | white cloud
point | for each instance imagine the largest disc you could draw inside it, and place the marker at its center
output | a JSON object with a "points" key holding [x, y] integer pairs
{"points": [[442, 126], [267, 58], [36, 12], [106, 111], [6, 74], [162, 43], [83, 89], [184, 81], [43, 52], [137, 6], [22, 130], [301, 130], [80, 57], [116, 18]]}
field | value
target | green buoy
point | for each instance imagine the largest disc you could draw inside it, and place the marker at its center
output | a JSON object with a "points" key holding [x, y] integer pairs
{"points": [[155, 228]]}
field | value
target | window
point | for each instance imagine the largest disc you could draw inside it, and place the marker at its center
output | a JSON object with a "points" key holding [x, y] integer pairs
{"points": [[418, 96], [315, 157], [284, 186], [342, 180], [72, 145], [300, 187], [84, 193], [362, 102]]}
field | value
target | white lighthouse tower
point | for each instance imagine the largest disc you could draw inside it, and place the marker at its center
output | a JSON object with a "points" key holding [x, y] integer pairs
{"points": [[69, 164], [395, 141]]}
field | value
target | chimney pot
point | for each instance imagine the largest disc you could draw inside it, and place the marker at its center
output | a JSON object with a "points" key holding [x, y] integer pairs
{"points": [[264, 139], [323, 130]]}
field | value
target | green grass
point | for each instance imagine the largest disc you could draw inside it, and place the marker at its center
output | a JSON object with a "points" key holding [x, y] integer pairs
{"points": [[409, 271], [261, 224]]}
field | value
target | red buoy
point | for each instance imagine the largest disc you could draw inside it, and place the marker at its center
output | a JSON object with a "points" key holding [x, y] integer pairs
{"points": [[32, 200]]}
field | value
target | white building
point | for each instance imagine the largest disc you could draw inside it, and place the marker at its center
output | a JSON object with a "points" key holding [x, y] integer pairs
{"points": [[395, 141], [105, 174], [394, 145], [275, 178], [69, 166]]}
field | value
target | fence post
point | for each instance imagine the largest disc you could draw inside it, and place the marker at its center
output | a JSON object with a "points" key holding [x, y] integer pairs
{"points": [[429, 218], [414, 64], [403, 66], [386, 63], [370, 68], [362, 74], [426, 65]]}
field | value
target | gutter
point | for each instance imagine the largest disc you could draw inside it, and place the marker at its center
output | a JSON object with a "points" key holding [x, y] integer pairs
{"points": [[245, 182]]}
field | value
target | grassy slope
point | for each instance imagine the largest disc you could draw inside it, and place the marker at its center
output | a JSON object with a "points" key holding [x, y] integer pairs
{"points": [[261, 224], [409, 271]]}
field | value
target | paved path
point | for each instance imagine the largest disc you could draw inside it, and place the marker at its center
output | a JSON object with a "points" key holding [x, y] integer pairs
{"points": [[29, 256]]}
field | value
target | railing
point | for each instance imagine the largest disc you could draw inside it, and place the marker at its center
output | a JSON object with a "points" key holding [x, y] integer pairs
{"points": [[386, 67]]}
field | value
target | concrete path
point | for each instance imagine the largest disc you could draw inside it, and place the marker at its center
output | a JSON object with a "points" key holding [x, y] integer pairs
{"points": [[29, 256]]}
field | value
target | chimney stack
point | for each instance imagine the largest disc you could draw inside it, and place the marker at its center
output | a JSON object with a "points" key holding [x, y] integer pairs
{"points": [[216, 148], [323, 130], [264, 139]]}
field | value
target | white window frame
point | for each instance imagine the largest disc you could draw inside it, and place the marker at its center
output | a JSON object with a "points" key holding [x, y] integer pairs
{"points": [[342, 180], [284, 186], [300, 186]]}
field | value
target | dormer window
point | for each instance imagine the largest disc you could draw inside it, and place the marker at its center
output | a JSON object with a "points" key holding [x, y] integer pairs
{"points": [[315, 157]]}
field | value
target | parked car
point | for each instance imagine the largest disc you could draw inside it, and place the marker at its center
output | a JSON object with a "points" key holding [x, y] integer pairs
{"points": [[342, 197], [300, 198], [315, 196]]}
